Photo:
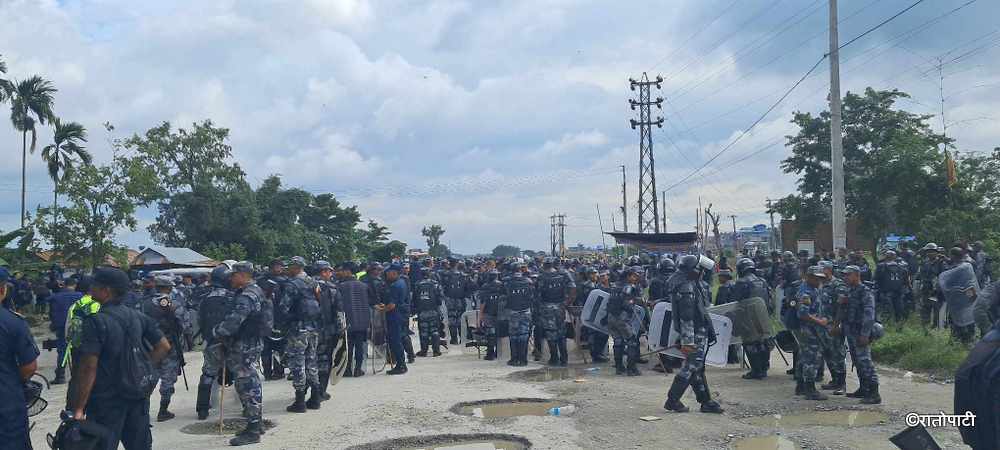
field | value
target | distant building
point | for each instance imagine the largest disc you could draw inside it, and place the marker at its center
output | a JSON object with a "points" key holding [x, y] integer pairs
{"points": [[157, 258]]}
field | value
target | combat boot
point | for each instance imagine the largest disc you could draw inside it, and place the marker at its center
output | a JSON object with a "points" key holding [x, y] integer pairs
{"points": [[436, 345], [619, 366], [423, 348], [800, 388], [837, 383], [315, 397], [810, 393], [60, 376], [704, 396], [553, 353], [754, 372], [324, 381], [164, 415], [872, 397], [491, 349], [249, 435], [563, 354], [523, 361], [860, 393], [454, 332], [408, 348], [203, 403], [633, 359], [515, 353], [398, 370], [674, 395], [299, 406]]}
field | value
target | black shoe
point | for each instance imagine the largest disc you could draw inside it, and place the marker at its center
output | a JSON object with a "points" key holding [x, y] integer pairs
{"points": [[674, 395], [810, 393], [249, 435], [790, 371], [398, 370], [598, 359], [299, 406], [202, 414], [436, 354], [799, 388], [422, 353], [203, 401], [536, 355], [60, 377], [872, 397], [315, 397], [860, 393], [410, 359], [632, 371], [358, 373], [838, 383], [712, 407], [164, 414]]}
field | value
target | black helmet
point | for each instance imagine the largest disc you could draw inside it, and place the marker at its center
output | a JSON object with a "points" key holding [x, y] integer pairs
{"points": [[637, 270], [549, 261], [220, 275], [667, 265], [688, 263], [745, 265]]}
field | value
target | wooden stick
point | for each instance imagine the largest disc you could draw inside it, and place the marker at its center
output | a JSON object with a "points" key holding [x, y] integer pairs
{"points": [[222, 397]]}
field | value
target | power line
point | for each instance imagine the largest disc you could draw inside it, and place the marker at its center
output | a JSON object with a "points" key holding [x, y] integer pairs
{"points": [[890, 19], [694, 35]]}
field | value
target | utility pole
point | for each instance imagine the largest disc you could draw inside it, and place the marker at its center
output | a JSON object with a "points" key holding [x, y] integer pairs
{"points": [[562, 235], [552, 235], [836, 137], [600, 223], [736, 241], [649, 214], [664, 211], [702, 225], [624, 202], [771, 241]]}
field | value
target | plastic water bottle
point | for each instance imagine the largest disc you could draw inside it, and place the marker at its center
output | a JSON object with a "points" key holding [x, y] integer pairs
{"points": [[593, 369], [562, 410]]}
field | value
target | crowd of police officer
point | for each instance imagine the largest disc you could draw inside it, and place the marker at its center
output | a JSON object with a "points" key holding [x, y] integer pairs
{"points": [[312, 320]]}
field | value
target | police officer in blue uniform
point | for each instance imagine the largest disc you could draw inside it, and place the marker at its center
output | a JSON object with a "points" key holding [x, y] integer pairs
{"points": [[397, 309], [96, 393], [18, 361], [810, 325], [555, 291], [520, 292]]}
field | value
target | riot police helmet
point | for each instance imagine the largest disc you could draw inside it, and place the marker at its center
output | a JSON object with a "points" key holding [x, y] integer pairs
{"points": [[745, 265], [220, 275], [688, 263], [667, 265]]}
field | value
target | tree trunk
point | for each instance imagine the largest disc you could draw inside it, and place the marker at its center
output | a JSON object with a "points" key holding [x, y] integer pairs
{"points": [[24, 170], [55, 217]]}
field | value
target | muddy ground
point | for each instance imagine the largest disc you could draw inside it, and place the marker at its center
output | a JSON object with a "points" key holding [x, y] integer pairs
{"points": [[378, 407]]}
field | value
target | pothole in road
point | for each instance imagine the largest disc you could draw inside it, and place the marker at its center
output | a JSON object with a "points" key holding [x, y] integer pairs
{"points": [[229, 426], [554, 374], [843, 418], [765, 443], [483, 441], [507, 407]]}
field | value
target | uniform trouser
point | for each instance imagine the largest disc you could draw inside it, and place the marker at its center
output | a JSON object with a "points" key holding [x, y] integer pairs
{"points": [[301, 354], [693, 369], [127, 422], [272, 351], [490, 331], [624, 330], [598, 344], [407, 342], [964, 333], [930, 309], [428, 323], [862, 357], [553, 321], [810, 353], [759, 354], [834, 352], [456, 307], [324, 354], [357, 348], [242, 359], [519, 326], [895, 303], [60, 349], [169, 369], [538, 330], [394, 334]]}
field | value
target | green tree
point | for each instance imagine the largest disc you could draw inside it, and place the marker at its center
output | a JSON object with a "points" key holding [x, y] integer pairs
{"points": [[969, 210], [433, 235], [506, 251], [389, 250], [894, 169], [101, 201], [439, 251], [30, 104], [61, 156]]}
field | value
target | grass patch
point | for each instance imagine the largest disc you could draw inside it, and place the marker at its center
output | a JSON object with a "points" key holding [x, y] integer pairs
{"points": [[918, 349]]}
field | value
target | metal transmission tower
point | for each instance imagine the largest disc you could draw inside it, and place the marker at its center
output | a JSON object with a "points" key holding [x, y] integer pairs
{"points": [[557, 237], [649, 212]]}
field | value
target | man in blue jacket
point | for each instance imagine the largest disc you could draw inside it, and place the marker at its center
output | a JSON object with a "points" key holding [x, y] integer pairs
{"points": [[59, 304], [397, 309]]}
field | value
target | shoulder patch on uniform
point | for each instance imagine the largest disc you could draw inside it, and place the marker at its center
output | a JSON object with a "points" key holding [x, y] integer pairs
{"points": [[19, 315]]}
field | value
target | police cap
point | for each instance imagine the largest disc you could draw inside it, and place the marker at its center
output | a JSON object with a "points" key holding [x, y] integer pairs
{"points": [[322, 265], [276, 262], [111, 277], [851, 269], [243, 267], [164, 281], [816, 271], [297, 261], [394, 268]]}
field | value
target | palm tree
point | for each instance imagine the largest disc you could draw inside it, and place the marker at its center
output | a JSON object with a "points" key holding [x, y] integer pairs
{"points": [[61, 156], [30, 103]]}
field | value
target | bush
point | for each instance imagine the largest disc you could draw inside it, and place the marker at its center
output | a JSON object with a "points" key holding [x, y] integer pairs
{"points": [[919, 349]]}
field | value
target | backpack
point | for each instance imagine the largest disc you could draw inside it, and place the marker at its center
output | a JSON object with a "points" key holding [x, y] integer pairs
{"points": [[264, 321], [456, 285], [135, 369]]}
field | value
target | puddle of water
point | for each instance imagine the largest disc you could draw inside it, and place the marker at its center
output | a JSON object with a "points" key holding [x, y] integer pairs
{"points": [[553, 374], [822, 418], [509, 409], [229, 426], [765, 443], [477, 445]]}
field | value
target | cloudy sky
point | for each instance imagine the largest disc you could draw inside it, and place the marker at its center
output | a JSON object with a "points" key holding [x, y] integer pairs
{"points": [[488, 117]]}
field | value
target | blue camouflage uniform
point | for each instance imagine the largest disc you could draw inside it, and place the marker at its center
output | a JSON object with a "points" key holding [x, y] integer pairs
{"points": [[834, 349], [243, 348], [302, 307], [808, 334], [519, 292], [859, 322]]}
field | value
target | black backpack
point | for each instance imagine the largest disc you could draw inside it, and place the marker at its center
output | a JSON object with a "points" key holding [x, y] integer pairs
{"points": [[137, 377]]}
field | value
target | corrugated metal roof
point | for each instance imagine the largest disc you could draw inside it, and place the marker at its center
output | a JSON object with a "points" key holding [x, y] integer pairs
{"points": [[176, 255]]}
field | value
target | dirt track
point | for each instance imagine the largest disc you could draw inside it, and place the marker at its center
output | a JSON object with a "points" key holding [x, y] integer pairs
{"points": [[373, 408]]}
